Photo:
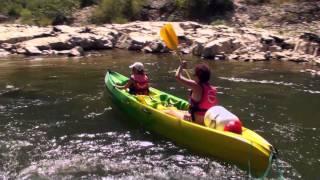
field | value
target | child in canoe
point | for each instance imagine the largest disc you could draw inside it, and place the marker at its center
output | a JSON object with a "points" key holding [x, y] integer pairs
{"points": [[138, 83], [202, 96]]}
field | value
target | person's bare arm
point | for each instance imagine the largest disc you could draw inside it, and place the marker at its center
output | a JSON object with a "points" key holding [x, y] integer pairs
{"points": [[183, 80], [127, 85]]}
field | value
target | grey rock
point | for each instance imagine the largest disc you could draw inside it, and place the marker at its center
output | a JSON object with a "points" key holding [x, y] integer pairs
{"points": [[18, 33], [20, 51], [267, 40], [190, 25], [258, 57], [77, 51], [4, 53], [3, 18], [6, 46], [63, 52], [220, 46], [32, 51]]}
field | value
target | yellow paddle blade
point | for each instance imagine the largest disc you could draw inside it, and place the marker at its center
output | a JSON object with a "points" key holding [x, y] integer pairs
{"points": [[169, 37]]}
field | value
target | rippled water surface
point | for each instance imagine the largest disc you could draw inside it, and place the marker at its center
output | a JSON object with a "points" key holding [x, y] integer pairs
{"points": [[58, 121]]}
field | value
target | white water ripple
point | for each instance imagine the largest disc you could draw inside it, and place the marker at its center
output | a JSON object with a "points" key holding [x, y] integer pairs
{"points": [[290, 84], [233, 79]]}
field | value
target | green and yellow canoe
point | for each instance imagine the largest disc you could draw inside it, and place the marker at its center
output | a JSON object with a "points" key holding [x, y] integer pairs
{"points": [[248, 151]]}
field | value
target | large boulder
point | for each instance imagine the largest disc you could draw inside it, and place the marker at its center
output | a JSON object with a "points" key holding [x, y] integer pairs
{"points": [[307, 47], [106, 32], [3, 18], [205, 32], [258, 57], [4, 53], [310, 37], [317, 62], [18, 33], [276, 40], [91, 41], [190, 25], [220, 46], [155, 47], [66, 29], [6, 46], [137, 40], [76, 51], [65, 41], [32, 51], [60, 42]]}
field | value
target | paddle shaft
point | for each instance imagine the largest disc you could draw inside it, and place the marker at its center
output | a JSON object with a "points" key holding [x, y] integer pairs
{"points": [[180, 59]]}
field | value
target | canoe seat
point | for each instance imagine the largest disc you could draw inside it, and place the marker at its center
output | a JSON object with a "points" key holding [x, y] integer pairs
{"points": [[162, 101]]}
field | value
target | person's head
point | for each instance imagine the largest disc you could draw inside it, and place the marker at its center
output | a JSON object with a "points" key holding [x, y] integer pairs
{"points": [[202, 73], [137, 68]]}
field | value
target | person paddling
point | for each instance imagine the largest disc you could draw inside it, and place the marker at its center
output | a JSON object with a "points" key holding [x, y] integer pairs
{"points": [[202, 96], [138, 83]]}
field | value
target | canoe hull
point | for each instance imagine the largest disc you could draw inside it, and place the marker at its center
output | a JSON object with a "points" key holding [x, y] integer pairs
{"points": [[247, 151]]}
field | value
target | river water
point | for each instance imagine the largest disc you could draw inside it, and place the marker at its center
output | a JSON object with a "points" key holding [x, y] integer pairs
{"points": [[57, 120]]}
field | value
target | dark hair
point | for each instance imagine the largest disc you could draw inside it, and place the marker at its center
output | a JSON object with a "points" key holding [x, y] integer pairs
{"points": [[202, 71], [141, 72]]}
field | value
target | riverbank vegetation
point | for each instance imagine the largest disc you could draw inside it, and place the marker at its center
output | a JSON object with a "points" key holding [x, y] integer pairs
{"points": [[39, 12], [118, 11], [48, 12], [53, 12]]}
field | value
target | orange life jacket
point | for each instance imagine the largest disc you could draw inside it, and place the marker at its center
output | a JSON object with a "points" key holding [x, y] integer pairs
{"points": [[208, 99], [140, 84]]}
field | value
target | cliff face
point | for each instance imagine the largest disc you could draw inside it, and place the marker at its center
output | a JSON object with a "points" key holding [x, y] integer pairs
{"points": [[178, 10], [286, 18]]}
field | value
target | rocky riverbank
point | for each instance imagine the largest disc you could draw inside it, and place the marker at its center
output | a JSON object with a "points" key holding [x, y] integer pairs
{"points": [[210, 42]]}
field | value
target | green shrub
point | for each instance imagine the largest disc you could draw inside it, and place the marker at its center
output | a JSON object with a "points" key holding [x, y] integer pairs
{"points": [[11, 8], [133, 8], [40, 12], [26, 16], [108, 11], [218, 22], [117, 11]]}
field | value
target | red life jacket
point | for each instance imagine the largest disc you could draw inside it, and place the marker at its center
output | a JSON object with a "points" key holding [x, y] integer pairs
{"points": [[208, 99], [140, 84]]}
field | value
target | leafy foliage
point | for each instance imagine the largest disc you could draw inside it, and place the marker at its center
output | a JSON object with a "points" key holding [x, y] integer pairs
{"points": [[40, 12], [117, 11], [45, 12]]}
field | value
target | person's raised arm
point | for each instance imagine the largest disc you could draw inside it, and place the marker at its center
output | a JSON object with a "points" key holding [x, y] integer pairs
{"points": [[183, 80]]}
